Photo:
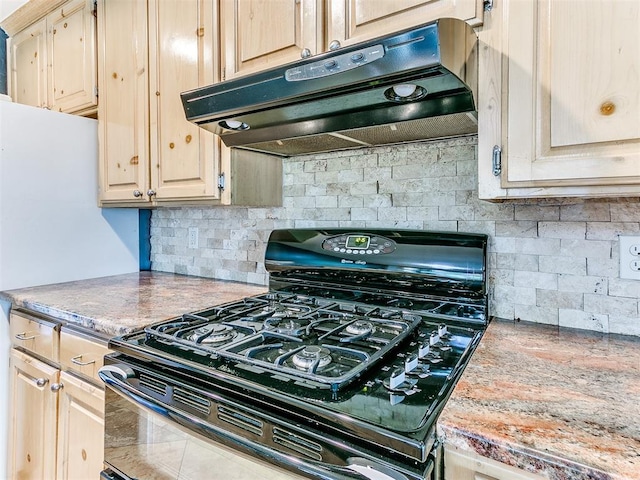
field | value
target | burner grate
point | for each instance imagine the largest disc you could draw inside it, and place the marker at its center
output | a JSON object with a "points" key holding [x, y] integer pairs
{"points": [[303, 337]]}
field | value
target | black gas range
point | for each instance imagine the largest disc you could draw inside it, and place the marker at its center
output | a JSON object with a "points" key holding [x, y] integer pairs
{"points": [[339, 371]]}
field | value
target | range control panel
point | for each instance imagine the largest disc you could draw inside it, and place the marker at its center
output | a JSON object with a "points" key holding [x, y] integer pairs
{"points": [[359, 244]]}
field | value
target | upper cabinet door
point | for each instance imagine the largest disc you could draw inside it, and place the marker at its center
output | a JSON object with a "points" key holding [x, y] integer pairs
{"points": [[28, 73], [574, 91], [72, 56], [183, 56], [123, 112], [353, 21], [260, 34], [567, 113]]}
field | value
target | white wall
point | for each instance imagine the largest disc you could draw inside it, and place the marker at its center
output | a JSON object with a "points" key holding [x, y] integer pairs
{"points": [[7, 7]]}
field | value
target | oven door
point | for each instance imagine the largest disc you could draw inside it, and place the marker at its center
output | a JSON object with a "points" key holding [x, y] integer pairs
{"points": [[148, 438]]}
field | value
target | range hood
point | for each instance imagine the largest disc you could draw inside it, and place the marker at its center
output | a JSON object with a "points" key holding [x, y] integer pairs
{"points": [[409, 86]]}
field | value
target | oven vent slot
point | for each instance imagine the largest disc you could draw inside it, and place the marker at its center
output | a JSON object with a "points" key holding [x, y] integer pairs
{"points": [[240, 420], [153, 384], [297, 443], [197, 402]]}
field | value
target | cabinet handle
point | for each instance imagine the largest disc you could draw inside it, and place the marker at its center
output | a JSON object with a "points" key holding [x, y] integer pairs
{"points": [[137, 193], [41, 382], [23, 336], [305, 53], [151, 193], [77, 360], [56, 387], [334, 45]]}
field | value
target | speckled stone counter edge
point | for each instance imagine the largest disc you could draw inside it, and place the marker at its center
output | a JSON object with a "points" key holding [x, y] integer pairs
{"points": [[532, 461]]}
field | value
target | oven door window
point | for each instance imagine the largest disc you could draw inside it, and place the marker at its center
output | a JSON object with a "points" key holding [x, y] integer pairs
{"points": [[140, 444]]}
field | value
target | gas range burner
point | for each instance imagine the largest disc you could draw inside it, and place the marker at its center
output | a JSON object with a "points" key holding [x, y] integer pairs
{"points": [[275, 310], [401, 303], [360, 328], [212, 334], [287, 326], [198, 332], [311, 358]]}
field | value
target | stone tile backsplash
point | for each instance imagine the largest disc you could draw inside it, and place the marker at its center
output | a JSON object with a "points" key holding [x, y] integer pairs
{"points": [[551, 261]]}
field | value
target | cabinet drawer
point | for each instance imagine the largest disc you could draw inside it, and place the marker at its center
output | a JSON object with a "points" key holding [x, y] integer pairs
{"points": [[81, 354], [35, 335]]}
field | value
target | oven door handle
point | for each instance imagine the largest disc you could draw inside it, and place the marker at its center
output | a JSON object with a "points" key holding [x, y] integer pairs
{"points": [[115, 376]]}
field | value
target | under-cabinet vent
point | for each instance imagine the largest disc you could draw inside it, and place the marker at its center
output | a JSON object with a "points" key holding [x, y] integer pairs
{"points": [[297, 443], [153, 384], [193, 400], [241, 420]]}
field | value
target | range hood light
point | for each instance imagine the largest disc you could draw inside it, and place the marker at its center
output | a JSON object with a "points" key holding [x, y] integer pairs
{"points": [[234, 125], [404, 89], [405, 92]]}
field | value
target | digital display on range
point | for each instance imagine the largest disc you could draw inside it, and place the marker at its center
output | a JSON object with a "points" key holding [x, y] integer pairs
{"points": [[357, 241]]}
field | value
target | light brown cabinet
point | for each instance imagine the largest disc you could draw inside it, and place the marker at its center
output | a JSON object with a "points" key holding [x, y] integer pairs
{"points": [[33, 419], [28, 65], [56, 425], [562, 104], [52, 56], [150, 154], [463, 465], [353, 21], [80, 439], [261, 34]]}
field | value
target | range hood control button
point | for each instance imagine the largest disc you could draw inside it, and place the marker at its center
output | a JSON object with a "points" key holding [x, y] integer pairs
{"points": [[336, 64], [330, 64]]}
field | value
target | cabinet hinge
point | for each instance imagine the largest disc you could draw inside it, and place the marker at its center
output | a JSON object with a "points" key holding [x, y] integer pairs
{"points": [[95, 91], [94, 12], [488, 5], [224, 74], [497, 160], [221, 181]]}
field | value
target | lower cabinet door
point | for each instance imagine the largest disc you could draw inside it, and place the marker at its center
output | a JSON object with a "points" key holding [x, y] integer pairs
{"points": [[33, 414], [80, 429]]}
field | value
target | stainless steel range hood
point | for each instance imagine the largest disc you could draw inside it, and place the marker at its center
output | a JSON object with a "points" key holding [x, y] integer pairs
{"points": [[346, 98]]}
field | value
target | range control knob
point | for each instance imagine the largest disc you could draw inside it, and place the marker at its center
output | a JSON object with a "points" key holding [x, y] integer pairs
{"points": [[423, 349], [434, 338], [397, 378], [411, 362], [442, 330]]}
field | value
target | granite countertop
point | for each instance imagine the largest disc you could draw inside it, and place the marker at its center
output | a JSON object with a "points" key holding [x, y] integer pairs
{"points": [[562, 403], [119, 304]]}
